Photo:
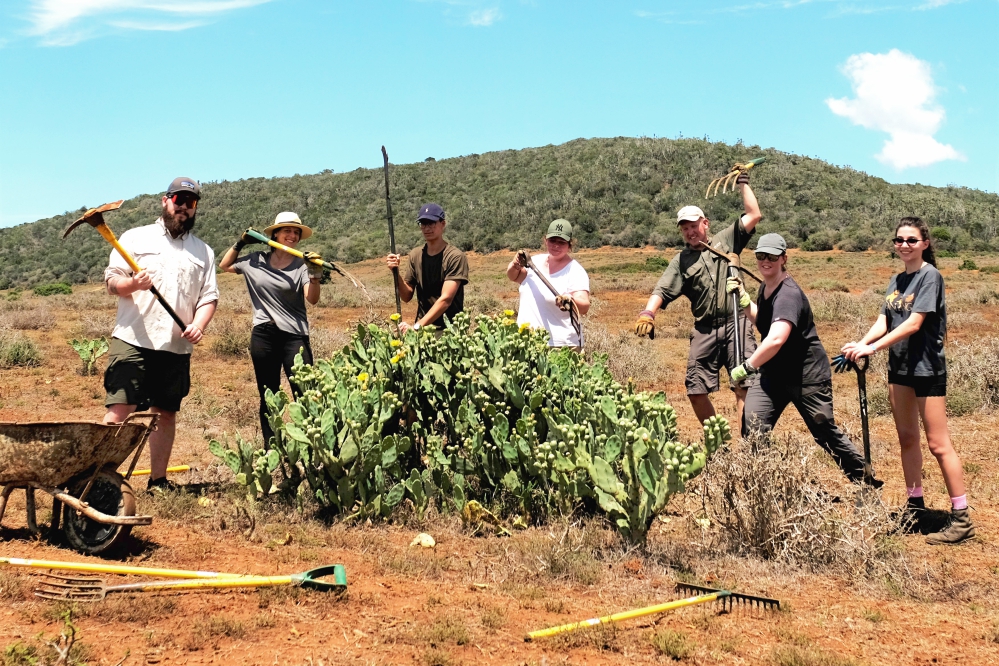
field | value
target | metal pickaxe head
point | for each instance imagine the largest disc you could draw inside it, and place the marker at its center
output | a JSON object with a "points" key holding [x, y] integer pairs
{"points": [[95, 216], [729, 179]]}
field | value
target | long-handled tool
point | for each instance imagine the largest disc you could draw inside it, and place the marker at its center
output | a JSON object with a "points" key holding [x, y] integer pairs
{"points": [[388, 207], [841, 364], [703, 595], [525, 260], [722, 255], [87, 588], [328, 265], [95, 218], [729, 179], [170, 470], [733, 271], [121, 569]]}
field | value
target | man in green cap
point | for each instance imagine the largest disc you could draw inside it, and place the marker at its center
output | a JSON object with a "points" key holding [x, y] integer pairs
{"points": [[700, 276]]}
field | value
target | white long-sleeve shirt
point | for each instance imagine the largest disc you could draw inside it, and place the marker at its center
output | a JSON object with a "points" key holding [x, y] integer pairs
{"points": [[182, 269]]}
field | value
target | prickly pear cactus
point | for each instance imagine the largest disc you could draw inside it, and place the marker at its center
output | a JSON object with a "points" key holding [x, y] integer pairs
{"points": [[485, 411]]}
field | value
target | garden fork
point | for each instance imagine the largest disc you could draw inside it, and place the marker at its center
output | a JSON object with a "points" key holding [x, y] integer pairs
{"points": [[729, 179]]}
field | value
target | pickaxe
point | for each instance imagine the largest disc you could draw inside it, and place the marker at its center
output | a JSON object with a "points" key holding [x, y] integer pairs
{"points": [[95, 218], [729, 179], [525, 260]]}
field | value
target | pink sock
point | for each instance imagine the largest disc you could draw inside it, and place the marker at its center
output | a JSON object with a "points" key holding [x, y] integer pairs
{"points": [[914, 492], [959, 503]]}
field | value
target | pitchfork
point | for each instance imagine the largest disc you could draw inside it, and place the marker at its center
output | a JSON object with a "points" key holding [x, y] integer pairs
{"points": [[729, 179]]}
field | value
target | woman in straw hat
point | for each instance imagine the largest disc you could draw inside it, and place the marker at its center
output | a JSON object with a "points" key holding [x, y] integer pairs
{"points": [[539, 307], [279, 285]]}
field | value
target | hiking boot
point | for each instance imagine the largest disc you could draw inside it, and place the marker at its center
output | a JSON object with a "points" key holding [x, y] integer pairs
{"points": [[913, 516], [161, 485], [959, 529]]}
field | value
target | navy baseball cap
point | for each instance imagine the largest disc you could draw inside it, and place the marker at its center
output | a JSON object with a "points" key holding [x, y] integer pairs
{"points": [[431, 212]]}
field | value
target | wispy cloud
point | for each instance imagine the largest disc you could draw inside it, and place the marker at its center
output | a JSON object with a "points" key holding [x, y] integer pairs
{"points": [[470, 12], [836, 8], [484, 17], [895, 93], [67, 22]]}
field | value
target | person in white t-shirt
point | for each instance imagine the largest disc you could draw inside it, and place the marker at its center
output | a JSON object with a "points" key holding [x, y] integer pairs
{"points": [[539, 307]]}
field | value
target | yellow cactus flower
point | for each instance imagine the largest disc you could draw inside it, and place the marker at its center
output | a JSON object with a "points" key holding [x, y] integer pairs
{"points": [[525, 326], [395, 359], [363, 377], [395, 316], [395, 343], [509, 313]]}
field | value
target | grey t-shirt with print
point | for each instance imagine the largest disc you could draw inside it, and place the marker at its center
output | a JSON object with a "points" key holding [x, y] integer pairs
{"points": [[922, 353], [278, 295]]}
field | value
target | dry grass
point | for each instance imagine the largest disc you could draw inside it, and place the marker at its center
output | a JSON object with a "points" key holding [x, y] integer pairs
{"points": [[35, 319], [673, 644], [210, 631]]}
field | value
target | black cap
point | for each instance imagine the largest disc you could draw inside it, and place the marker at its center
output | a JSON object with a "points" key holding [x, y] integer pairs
{"points": [[430, 211], [184, 184]]}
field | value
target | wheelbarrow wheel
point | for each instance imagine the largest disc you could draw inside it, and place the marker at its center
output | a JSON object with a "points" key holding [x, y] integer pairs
{"points": [[110, 494]]}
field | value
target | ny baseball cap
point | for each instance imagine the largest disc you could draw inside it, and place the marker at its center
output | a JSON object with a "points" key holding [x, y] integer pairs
{"points": [[560, 229], [689, 214], [431, 212], [184, 184], [772, 244]]}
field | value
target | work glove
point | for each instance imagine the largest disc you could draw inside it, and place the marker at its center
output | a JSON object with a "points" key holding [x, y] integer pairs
{"points": [[564, 302], [315, 270], [735, 284], [741, 372], [244, 240], [646, 324], [742, 178], [522, 258]]}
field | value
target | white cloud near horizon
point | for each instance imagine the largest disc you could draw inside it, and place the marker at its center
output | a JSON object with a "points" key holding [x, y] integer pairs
{"points": [[482, 18], [895, 93], [67, 22]]}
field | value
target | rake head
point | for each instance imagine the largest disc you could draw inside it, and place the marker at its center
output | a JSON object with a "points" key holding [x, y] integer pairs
{"points": [[728, 180], [71, 588], [729, 598]]}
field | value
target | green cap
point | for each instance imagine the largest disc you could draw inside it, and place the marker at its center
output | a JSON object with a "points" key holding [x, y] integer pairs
{"points": [[560, 229]]}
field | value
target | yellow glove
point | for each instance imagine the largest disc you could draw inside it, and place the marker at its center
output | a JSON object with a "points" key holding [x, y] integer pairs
{"points": [[735, 284], [646, 324]]}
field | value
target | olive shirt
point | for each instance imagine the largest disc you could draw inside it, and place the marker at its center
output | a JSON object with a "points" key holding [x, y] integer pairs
{"points": [[427, 274], [701, 276], [922, 353]]}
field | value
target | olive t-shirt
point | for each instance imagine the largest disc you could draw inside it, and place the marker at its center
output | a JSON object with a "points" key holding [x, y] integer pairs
{"points": [[922, 353], [278, 295], [801, 360], [701, 276], [427, 274]]}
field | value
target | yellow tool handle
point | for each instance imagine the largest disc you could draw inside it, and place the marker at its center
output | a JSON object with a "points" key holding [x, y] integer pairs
{"points": [[170, 470], [116, 569], [105, 231], [211, 583], [626, 615]]}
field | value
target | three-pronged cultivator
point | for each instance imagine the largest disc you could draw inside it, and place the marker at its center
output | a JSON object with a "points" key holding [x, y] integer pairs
{"points": [[728, 180]]}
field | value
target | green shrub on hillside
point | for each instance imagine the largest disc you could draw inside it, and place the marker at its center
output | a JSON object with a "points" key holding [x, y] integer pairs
{"points": [[53, 288]]}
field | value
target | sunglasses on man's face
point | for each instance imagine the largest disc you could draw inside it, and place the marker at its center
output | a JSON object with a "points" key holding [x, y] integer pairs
{"points": [[766, 256], [908, 241], [184, 199]]}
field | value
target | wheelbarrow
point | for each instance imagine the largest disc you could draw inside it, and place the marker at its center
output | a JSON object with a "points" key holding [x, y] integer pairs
{"points": [[76, 462]]}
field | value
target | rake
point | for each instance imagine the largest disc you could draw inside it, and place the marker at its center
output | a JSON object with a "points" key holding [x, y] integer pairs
{"points": [[701, 595], [728, 180]]}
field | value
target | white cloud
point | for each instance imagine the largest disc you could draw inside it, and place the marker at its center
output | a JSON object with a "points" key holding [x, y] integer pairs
{"points": [[895, 94], [65, 22], [484, 17]]}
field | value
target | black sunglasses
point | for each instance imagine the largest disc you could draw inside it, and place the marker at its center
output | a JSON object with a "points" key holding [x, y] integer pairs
{"points": [[184, 199], [908, 241], [766, 256]]}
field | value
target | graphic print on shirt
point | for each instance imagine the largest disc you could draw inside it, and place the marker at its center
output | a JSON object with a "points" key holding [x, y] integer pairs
{"points": [[899, 302]]}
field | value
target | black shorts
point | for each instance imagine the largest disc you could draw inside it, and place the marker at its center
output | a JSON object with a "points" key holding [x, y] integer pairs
{"points": [[146, 377], [712, 347], [925, 387]]}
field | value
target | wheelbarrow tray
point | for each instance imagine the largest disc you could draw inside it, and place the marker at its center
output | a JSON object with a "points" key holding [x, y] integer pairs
{"points": [[50, 454]]}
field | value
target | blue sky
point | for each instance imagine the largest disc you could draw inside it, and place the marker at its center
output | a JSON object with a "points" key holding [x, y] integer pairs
{"points": [[107, 99]]}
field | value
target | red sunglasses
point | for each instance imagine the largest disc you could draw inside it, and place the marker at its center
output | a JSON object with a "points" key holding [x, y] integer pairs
{"points": [[184, 199]]}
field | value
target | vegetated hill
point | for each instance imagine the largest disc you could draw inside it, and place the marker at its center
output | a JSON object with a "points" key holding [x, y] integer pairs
{"points": [[622, 191]]}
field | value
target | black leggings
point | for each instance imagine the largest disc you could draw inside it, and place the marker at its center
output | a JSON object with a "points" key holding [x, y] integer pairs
{"points": [[271, 348]]}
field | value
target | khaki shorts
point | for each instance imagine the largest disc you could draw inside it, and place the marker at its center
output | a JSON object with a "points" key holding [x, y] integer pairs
{"points": [[711, 347], [146, 377]]}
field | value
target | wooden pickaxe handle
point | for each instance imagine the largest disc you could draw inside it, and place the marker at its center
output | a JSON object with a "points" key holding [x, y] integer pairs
{"points": [[729, 260], [525, 259]]}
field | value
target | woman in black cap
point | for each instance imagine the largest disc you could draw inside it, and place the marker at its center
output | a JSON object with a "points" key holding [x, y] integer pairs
{"points": [[279, 285], [791, 361]]}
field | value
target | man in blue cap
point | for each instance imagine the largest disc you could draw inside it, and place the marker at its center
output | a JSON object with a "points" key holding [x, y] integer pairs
{"points": [[436, 272]]}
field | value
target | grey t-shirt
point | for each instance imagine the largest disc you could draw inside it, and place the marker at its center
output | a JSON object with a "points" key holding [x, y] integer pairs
{"points": [[278, 296], [922, 353]]}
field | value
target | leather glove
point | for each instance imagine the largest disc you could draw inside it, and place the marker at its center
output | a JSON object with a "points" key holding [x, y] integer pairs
{"points": [[564, 302], [315, 270], [646, 324], [741, 372], [742, 178], [522, 258], [735, 284]]}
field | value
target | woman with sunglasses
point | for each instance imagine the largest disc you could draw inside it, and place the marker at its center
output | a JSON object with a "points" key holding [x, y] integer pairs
{"points": [[791, 360], [539, 307], [279, 284], [912, 327]]}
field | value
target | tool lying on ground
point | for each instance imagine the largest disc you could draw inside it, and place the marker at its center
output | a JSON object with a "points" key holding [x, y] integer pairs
{"points": [[841, 364], [525, 260], [88, 588], [729, 179], [95, 218], [388, 206], [170, 470], [703, 595], [732, 261], [328, 265]]}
